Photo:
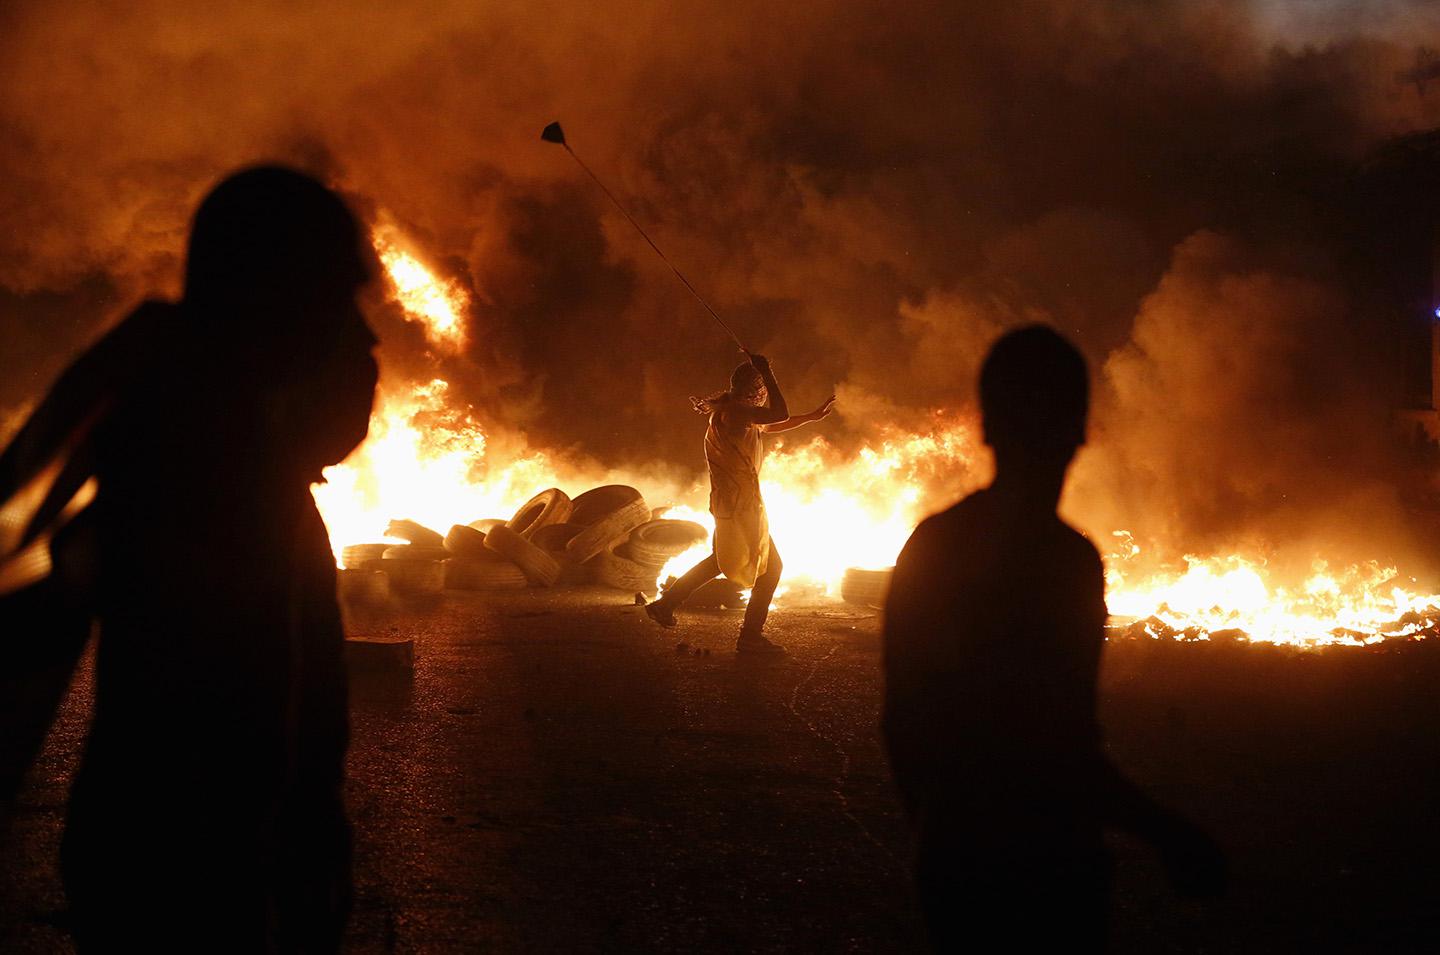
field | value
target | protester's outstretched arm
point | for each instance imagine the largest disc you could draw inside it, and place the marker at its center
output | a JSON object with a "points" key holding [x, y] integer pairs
{"points": [[1194, 862], [70, 402], [79, 397], [796, 421], [83, 390]]}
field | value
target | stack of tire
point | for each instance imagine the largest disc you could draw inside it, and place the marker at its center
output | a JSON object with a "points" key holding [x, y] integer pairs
{"points": [[605, 536], [492, 554], [473, 566], [618, 545], [415, 568], [866, 588], [363, 580]]}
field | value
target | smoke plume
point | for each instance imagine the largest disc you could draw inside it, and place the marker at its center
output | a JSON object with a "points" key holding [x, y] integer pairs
{"points": [[868, 193]]}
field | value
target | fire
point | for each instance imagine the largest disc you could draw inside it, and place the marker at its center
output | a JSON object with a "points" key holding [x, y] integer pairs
{"points": [[426, 462], [1355, 605], [430, 460], [436, 304], [829, 512]]}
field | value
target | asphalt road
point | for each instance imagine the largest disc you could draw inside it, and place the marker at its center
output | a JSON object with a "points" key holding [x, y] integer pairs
{"points": [[556, 775]]}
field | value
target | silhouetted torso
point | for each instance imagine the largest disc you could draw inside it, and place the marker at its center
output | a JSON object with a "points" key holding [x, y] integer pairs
{"points": [[212, 776], [993, 632], [207, 814]]}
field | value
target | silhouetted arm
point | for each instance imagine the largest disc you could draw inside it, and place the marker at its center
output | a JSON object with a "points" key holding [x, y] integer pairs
{"points": [[78, 399], [796, 421], [1195, 864], [78, 391]]}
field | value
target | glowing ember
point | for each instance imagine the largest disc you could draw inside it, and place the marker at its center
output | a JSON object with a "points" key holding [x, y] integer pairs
{"points": [[431, 461]]}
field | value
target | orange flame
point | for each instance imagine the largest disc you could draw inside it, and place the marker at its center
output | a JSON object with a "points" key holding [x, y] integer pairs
{"points": [[437, 304], [432, 462]]}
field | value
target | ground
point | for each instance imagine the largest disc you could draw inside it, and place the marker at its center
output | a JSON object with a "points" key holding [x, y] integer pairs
{"points": [[558, 775]]}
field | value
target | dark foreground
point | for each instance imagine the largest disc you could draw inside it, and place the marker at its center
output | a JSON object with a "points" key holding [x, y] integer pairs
{"points": [[557, 776]]}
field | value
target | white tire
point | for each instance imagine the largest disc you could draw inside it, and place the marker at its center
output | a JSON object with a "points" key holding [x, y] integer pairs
{"points": [[612, 569], [656, 542], [537, 565], [551, 506], [414, 533], [609, 530]]}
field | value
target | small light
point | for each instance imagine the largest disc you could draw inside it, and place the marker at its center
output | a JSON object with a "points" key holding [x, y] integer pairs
{"points": [[1437, 311]]}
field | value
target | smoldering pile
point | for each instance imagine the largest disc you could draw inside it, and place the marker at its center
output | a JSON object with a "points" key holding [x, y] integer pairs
{"points": [[607, 536]]}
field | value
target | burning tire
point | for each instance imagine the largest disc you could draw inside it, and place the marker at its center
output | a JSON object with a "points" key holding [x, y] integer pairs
{"points": [[867, 588], [657, 541], [549, 507], [611, 569], [465, 541], [597, 502], [414, 533], [537, 565], [491, 573], [356, 556], [609, 528], [486, 524]]}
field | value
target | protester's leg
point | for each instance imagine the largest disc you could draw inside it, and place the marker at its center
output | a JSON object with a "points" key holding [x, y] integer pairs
{"points": [[759, 608], [662, 611], [692, 580]]}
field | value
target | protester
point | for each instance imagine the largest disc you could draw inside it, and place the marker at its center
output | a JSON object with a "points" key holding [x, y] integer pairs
{"points": [[206, 813], [743, 550], [993, 633]]}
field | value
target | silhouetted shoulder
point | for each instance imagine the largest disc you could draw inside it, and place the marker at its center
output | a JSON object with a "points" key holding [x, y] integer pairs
{"points": [[985, 553], [91, 381], [1081, 548], [955, 522]]}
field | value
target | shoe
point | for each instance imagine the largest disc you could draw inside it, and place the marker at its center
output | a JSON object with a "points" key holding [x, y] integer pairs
{"points": [[756, 645], [660, 612]]}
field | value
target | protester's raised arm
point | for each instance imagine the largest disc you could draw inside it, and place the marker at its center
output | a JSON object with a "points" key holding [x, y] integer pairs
{"points": [[797, 421], [775, 409]]}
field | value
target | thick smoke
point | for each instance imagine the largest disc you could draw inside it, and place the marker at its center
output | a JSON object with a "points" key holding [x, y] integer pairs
{"points": [[869, 193]]}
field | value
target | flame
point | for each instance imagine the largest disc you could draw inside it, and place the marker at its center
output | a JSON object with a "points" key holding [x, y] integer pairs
{"points": [[426, 462], [431, 461], [1233, 596], [829, 512], [435, 303]]}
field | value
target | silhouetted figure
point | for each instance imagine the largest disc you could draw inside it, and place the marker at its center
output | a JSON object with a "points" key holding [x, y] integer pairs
{"points": [[207, 810], [993, 632], [743, 551]]}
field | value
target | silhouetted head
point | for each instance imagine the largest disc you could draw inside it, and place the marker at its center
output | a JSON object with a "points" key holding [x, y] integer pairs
{"points": [[747, 385], [270, 243], [1034, 397]]}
